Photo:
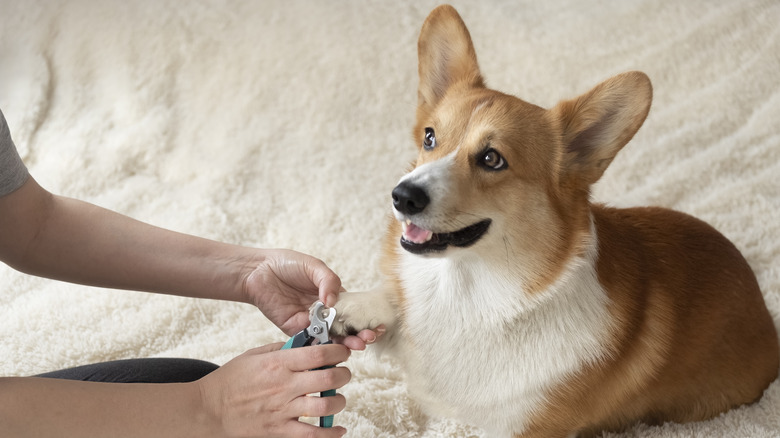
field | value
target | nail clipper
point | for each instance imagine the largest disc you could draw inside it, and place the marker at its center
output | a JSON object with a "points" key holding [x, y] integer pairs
{"points": [[321, 319]]}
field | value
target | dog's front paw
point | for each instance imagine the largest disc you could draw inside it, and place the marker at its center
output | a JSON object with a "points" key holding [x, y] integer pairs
{"points": [[356, 311]]}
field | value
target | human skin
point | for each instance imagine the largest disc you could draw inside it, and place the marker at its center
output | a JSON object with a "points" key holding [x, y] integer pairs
{"points": [[259, 393]]}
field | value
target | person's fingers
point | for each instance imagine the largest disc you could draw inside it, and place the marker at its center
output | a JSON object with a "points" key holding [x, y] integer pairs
{"points": [[363, 338], [352, 342], [370, 336], [295, 323], [317, 356], [314, 406], [327, 282], [298, 429], [331, 299], [313, 381]]}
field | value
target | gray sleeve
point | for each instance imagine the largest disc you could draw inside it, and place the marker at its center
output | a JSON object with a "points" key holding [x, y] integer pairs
{"points": [[13, 172]]}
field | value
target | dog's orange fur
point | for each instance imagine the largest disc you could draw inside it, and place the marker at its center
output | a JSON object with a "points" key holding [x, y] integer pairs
{"points": [[690, 336], [693, 339]]}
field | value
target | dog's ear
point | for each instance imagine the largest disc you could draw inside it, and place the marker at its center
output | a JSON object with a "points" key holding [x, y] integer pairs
{"points": [[599, 123], [446, 56]]}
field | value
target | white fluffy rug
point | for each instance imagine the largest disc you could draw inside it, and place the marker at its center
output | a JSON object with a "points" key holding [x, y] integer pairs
{"points": [[287, 123]]}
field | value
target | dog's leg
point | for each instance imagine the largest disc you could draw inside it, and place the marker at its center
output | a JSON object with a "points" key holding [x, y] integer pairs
{"points": [[356, 311]]}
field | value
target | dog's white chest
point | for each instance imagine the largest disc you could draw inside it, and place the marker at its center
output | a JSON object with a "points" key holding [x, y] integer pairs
{"points": [[477, 348]]}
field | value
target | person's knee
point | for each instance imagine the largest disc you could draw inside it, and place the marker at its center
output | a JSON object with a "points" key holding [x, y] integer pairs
{"points": [[147, 370]]}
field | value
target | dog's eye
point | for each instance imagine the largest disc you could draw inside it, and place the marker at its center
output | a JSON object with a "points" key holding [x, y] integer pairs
{"points": [[429, 142], [493, 160]]}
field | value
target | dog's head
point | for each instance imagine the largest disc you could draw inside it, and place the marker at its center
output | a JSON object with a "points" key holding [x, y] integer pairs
{"points": [[495, 170]]}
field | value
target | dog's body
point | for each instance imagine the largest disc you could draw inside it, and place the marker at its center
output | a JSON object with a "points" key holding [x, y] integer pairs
{"points": [[515, 304]]}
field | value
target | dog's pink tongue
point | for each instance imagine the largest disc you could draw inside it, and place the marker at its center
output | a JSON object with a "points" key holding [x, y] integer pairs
{"points": [[415, 234]]}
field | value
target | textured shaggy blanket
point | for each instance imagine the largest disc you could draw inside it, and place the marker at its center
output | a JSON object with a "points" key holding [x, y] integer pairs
{"points": [[287, 123]]}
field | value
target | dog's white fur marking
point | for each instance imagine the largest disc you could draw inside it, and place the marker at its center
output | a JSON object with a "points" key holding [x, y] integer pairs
{"points": [[474, 112], [426, 174], [466, 306], [471, 304], [435, 177]]}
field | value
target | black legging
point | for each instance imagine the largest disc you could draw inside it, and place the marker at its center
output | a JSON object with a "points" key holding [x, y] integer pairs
{"points": [[149, 370]]}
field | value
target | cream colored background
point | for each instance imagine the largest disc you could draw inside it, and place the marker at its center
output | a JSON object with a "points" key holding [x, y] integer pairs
{"points": [[287, 123]]}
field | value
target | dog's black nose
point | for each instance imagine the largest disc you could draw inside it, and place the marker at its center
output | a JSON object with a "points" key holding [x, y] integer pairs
{"points": [[409, 198]]}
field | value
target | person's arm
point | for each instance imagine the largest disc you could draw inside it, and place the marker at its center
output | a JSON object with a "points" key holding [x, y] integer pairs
{"points": [[258, 394], [70, 240], [67, 239]]}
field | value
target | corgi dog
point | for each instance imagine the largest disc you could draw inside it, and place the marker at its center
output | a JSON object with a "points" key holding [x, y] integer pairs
{"points": [[514, 303]]}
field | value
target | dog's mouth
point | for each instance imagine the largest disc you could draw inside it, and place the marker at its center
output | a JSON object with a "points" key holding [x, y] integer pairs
{"points": [[418, 240]]}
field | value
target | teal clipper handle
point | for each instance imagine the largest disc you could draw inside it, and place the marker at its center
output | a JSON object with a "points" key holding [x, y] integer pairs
{"points": [[320, 317], [326, 421]]}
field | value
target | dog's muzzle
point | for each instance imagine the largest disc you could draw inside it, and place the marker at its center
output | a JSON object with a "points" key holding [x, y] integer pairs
{"points": [[409, 200]]}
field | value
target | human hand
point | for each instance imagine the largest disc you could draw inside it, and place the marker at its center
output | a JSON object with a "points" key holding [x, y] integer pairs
{"points": [[286, 283], [262, 392]]}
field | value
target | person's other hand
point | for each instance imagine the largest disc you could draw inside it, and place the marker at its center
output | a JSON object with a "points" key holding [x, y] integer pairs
{"points": [[263, 392]]}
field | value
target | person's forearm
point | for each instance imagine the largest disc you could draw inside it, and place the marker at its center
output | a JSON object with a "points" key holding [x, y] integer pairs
{"points": [[120, 252], [79, 242], [36, 407]]}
